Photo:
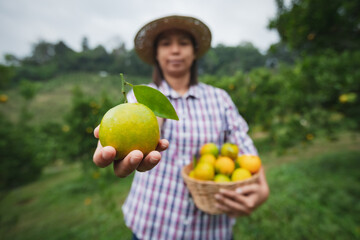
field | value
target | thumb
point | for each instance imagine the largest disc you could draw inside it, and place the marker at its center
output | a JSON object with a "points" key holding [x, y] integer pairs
{"points": [[96, 131]]}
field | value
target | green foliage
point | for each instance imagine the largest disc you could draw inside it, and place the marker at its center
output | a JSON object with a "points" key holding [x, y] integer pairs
{"points": [[17, 165], [6, 74], [83, 116], [225, 60], [28, 89], [319, 95], [314, 25]]}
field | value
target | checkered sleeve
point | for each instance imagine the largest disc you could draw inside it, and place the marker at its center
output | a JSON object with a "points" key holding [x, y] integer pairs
{"points": [[237, 128]]}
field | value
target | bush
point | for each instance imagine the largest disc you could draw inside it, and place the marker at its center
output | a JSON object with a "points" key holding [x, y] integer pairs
{"points": [[18, 163], [84, 115], [319, 95]]}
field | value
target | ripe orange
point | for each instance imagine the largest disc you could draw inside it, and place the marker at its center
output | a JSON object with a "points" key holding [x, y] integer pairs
{"points": [[249, 162], [128, 127], [240, 174], [229, 150], [224, 165], [204, 171], [209, 158], [209, 148]]}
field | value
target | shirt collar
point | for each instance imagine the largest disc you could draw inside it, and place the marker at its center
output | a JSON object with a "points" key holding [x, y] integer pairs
{"points": [[165, 88]]}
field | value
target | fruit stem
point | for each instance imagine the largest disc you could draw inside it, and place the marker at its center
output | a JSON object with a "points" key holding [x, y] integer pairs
{"points": [[123, 87]]}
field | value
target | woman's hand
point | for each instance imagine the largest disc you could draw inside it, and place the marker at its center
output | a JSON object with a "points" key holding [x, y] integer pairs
{"points": [[243, 201], [135, 160]]}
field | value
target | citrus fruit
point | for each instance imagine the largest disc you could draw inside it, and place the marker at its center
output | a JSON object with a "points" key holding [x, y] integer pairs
{"points": [[224, 165], [209, 158], [192, 174], [249, 162], [204, 171], [229, 150], [221, 178], [209, 148], [128, 127], [240, 174]]}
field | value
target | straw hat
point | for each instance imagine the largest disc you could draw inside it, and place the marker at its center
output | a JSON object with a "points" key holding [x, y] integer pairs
{"points": [[145, 38]]}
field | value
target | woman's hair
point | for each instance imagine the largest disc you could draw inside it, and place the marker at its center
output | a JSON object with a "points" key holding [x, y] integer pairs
{"points": [[158, 76]]}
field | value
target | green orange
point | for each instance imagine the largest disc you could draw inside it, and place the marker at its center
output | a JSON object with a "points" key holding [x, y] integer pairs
{"points": [[229, 150], [209, 148], [221, 178], [128, 127]]}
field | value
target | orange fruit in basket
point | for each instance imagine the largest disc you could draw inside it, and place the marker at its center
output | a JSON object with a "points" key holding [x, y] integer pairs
{"points": [[209, 158], [229, 150], [224, 165], [209, 148], [204, 171], [249, 162], [221, 178], [240, 174]]}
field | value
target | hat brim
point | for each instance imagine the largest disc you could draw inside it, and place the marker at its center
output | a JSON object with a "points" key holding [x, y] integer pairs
{"points": [[145, 38]]}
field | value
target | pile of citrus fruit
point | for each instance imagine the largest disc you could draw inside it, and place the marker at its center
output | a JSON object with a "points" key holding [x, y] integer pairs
{"points": [[225, 165]]}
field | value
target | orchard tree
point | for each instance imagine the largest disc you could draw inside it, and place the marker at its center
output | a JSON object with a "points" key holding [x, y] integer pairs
{"points": [[313, 25]]}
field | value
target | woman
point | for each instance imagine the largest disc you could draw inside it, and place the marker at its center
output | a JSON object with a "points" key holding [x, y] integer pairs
{"points": [[159, 205]]}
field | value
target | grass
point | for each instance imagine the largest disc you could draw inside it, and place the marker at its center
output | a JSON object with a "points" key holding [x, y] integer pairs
{"points": [[314, 195], [312, 198], [64, 204]]}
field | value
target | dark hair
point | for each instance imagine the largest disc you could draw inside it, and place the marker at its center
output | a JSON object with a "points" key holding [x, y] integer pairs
{"points": [[158, 76]]}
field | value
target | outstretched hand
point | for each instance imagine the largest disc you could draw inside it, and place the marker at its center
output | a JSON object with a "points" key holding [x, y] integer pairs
{"points": [[135, 160]]}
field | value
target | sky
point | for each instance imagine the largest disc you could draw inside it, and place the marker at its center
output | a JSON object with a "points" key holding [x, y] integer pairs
{"points": [[24, 23]]}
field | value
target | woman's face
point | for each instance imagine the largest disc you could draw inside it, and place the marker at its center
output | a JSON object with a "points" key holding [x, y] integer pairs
{"points": [[175, 53]]}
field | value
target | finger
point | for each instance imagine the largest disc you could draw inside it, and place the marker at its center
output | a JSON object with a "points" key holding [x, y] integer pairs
{"points": [[230, 206], [150, 161], [123, 168], [247, 189], [96, 131], [104, 156], [160, 122], [162, 145], [246, 198]]}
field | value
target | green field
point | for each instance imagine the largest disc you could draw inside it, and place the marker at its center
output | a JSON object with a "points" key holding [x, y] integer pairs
{"points": [[314, 187]]}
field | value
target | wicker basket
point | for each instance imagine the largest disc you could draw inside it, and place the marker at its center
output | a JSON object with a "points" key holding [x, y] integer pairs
{"points": [[203, 192]]}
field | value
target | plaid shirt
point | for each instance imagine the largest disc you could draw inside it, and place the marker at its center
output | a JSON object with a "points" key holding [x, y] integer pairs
{"points": [[159, 206]]}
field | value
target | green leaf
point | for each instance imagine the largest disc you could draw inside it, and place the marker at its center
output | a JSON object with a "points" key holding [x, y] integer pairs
{"points": [[156, 101]]}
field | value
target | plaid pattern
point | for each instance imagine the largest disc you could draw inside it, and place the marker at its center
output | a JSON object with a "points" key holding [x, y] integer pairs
{"points": [[159, 205]]}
